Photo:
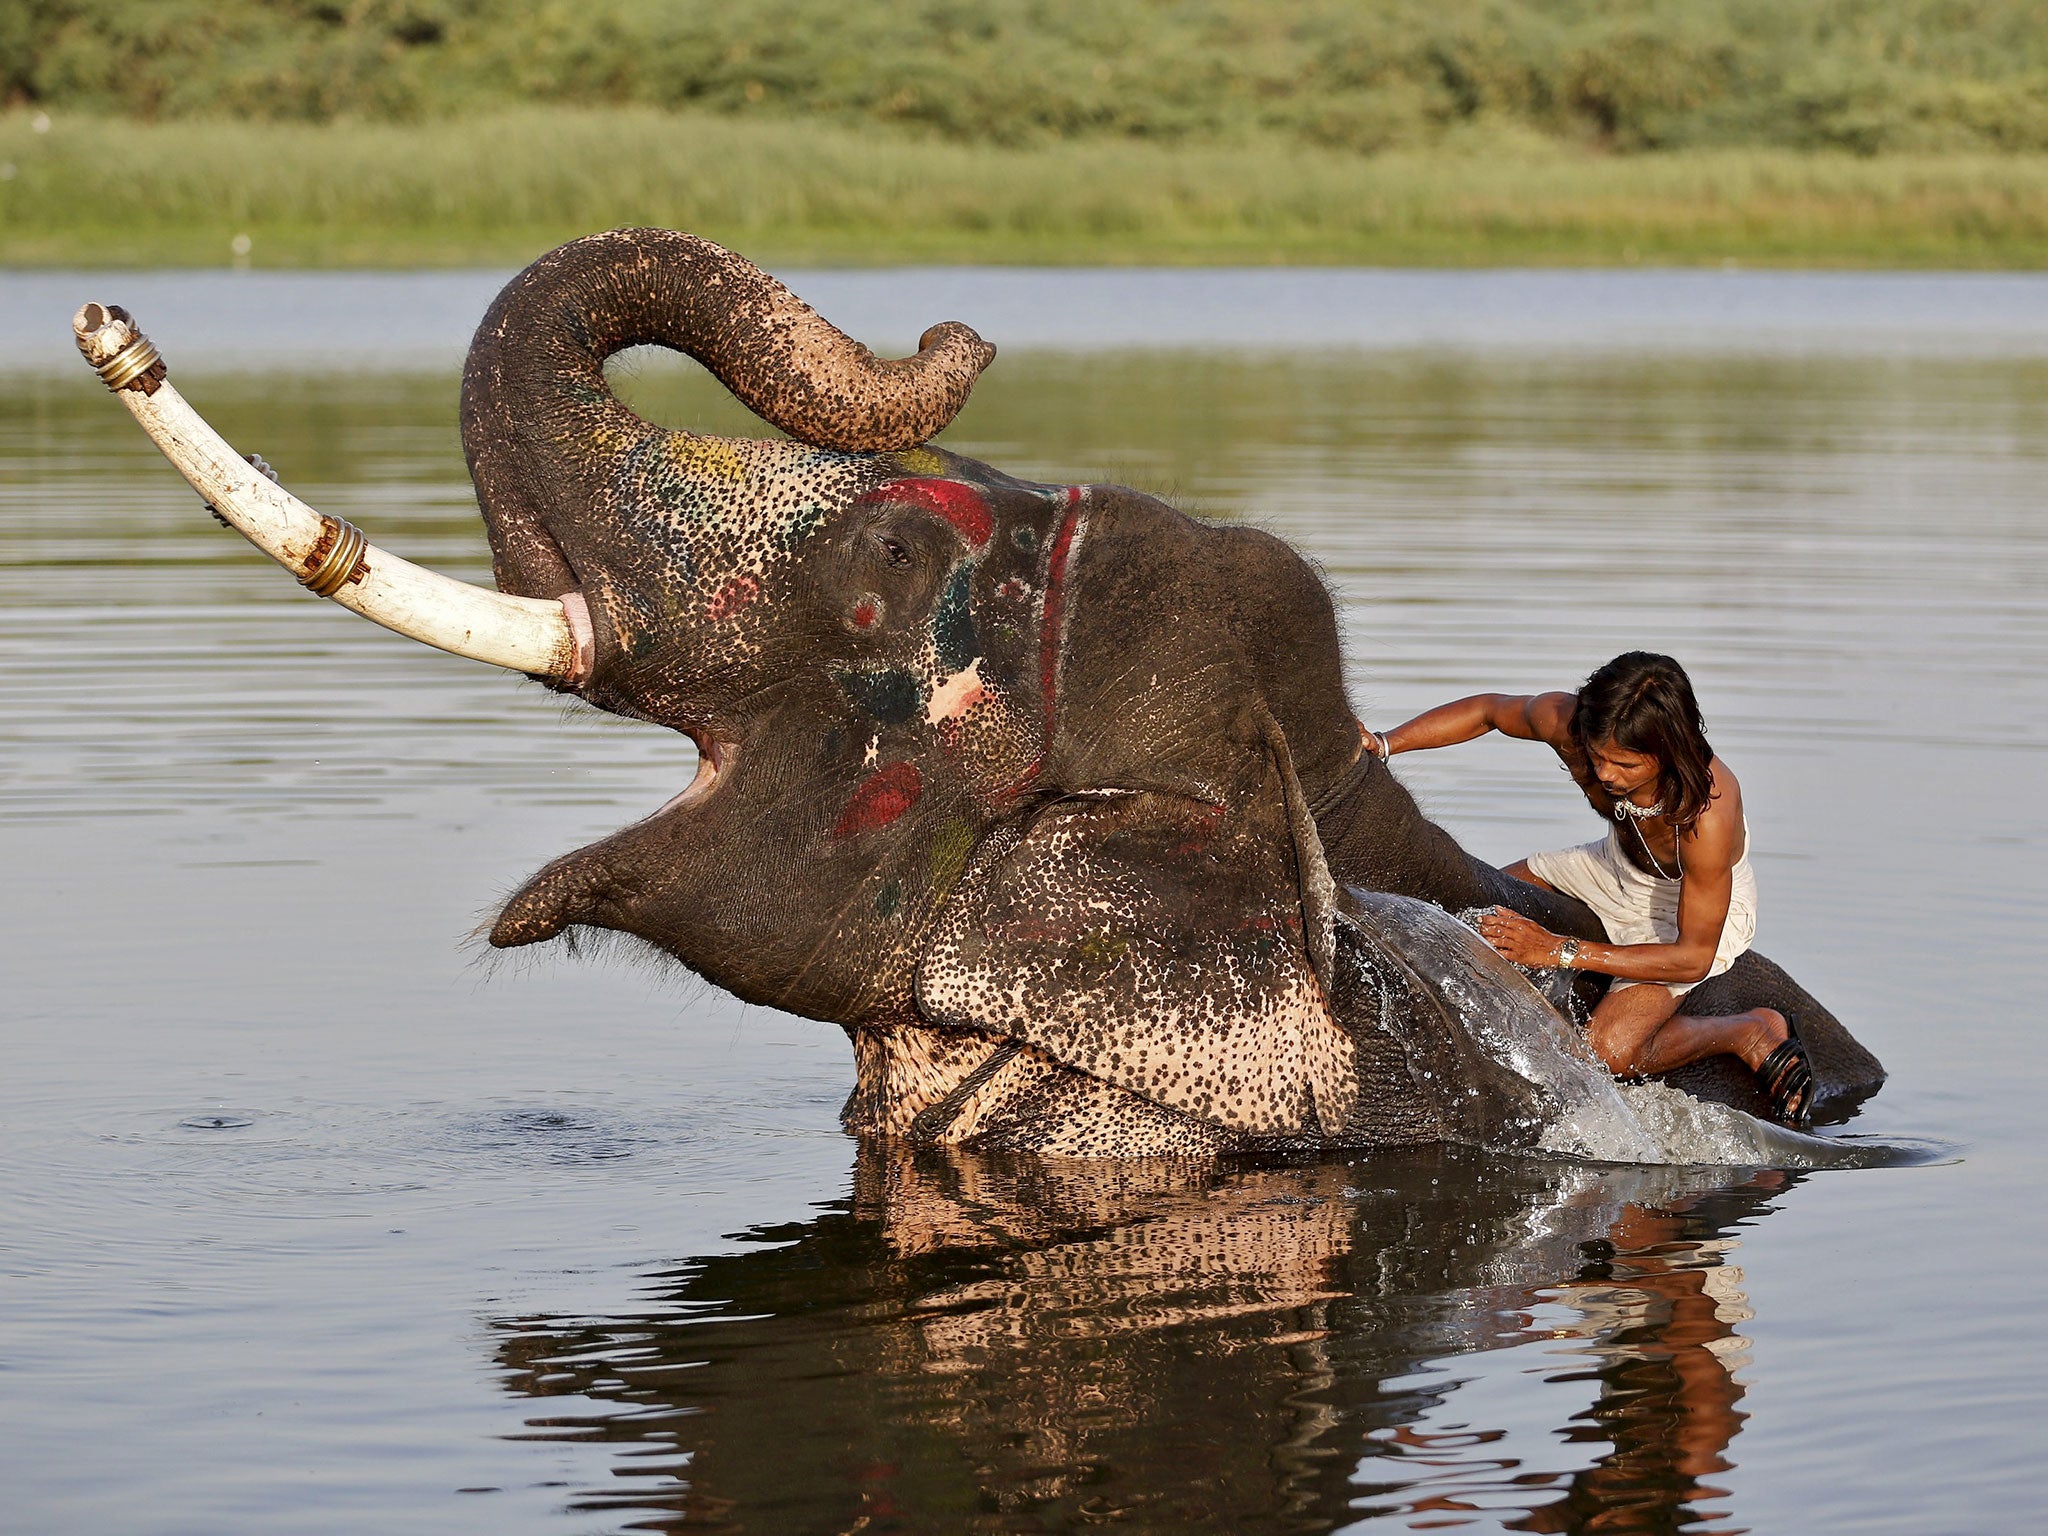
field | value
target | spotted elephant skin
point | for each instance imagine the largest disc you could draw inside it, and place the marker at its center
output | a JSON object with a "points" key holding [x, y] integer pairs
{"points": [[1050, 795]]}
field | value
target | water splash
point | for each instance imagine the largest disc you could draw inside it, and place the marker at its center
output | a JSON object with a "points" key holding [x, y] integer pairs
{"points": [[1582, 1111]]}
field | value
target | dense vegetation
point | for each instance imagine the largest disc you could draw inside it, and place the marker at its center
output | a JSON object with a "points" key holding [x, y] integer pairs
{"points": [[1859, 75], [497, 190], [1852, 132]]}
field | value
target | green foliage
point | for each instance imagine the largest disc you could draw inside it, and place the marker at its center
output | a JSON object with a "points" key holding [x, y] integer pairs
{"points": [[499, 189], [1630, 75]]}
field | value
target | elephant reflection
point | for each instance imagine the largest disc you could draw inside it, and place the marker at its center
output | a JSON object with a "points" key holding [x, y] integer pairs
{"points": [[979, 1343]]}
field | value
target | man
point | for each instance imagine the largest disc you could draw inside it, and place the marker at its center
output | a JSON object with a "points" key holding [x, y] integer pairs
{"points": [[1670, 882]]}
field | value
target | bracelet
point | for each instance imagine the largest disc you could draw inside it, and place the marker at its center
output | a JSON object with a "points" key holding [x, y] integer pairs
{"points": [[1385, 751], [1568, 955]]}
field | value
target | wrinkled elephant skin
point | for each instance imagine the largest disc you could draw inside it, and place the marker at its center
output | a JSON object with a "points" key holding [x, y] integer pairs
{"points": [[1048, 794]]}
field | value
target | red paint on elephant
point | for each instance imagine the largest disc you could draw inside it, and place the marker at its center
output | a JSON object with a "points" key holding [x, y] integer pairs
{"points": [[960, 505], [880, 798], [1052, 629], [1202, 822], [732, 597]]}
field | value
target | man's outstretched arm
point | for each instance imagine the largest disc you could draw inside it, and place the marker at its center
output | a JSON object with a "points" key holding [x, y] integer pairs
{"points": [[1528, 717]]}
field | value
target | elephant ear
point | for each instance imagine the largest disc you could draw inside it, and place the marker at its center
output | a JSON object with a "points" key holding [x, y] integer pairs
{"points": [[1174, 944]]}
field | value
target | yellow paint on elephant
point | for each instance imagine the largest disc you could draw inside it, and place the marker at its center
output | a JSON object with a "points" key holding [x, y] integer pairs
{"points": [[587, 443], [608, 441], [707, 458], [921, 461]]}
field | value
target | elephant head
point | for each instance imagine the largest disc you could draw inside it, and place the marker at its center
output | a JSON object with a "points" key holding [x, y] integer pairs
{"points": [[1049, 794], [1007, 761]]}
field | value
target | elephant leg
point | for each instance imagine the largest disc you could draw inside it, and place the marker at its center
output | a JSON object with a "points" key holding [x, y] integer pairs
{"points": [[959, 1088], [1054, 1111]]}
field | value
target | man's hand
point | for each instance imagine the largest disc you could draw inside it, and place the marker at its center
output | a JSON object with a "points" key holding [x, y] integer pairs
{"points": [[1522, 941]]}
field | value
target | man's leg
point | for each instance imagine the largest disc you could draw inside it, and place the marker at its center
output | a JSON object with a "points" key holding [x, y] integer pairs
{"points": [[1638, 1032]]}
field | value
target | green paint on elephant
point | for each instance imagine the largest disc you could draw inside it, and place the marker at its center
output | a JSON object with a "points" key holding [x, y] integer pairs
{"points": [[801, 525], [890, 696], [1100, 949], [953, 622], [952, 845]]}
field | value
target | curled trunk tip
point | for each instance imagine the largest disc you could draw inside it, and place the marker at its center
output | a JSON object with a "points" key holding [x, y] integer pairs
{"points": [[542, 347]]}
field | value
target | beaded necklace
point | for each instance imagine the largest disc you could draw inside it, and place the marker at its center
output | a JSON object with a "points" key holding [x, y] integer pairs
{"points": [[1635, 815]]}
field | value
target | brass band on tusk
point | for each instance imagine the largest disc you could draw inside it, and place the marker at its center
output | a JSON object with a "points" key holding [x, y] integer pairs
{"points": [[130, 363], [333, 570]]}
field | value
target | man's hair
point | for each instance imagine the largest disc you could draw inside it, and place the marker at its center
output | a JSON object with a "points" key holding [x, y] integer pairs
{"points": [[1643, 702]]}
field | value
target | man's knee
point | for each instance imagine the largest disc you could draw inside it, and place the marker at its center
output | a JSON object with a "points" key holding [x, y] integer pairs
{"points": [[1614, 1048], [1622, 1027]]}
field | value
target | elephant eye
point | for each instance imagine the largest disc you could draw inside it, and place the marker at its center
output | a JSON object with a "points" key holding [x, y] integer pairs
{"points": [[895, 549]]}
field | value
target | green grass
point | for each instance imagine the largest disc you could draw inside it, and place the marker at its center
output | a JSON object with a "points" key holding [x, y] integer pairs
{"points": [[498, 189]]}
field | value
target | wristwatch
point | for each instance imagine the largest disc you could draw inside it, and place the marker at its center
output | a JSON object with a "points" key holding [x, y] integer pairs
{"points": [[1568, 955]]}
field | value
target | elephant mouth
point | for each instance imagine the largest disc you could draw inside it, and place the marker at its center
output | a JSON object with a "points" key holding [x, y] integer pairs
{"points": [[715, 754], [582, 639], [715, 758], [593, 886]]}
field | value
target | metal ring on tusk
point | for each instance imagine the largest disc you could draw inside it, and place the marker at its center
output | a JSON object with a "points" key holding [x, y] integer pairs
{"points": [[332, 572], [130, 363]]}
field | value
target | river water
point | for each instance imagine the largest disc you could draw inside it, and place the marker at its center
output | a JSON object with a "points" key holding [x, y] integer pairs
{"points": [[313, 1220]]}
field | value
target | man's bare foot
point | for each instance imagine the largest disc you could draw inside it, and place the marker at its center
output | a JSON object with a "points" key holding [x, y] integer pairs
{"points": [[1767, 1031]]}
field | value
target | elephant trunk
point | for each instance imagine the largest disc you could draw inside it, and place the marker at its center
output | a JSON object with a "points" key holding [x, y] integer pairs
{"points": [[329, 556], [544, 433]]}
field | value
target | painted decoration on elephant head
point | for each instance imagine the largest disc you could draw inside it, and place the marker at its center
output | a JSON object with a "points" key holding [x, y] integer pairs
{"points": [[972, 690], [717, 523]]}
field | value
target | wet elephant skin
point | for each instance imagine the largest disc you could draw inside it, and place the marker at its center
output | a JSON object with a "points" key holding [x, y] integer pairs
{"points": [[1045, 793]]}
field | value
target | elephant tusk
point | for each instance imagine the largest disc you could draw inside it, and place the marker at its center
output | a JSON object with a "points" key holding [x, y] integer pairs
{"points": [[329, 556]]}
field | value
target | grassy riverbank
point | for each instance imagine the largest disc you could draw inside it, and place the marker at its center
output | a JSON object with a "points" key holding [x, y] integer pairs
{"points": [[495, 189]]}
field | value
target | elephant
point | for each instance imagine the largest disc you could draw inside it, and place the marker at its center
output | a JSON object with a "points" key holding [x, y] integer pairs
{"points": [[1050, 795]]}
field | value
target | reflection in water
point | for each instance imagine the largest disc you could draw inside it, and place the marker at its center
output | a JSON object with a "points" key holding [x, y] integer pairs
{"points": [[982, 1344]]}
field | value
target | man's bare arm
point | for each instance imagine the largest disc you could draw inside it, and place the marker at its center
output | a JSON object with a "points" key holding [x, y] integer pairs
{"points": [[1708, 888], [1542, 717]]}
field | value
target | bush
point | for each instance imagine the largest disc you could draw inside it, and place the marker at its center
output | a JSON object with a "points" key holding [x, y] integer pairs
{"points": [[1622, 75]]}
